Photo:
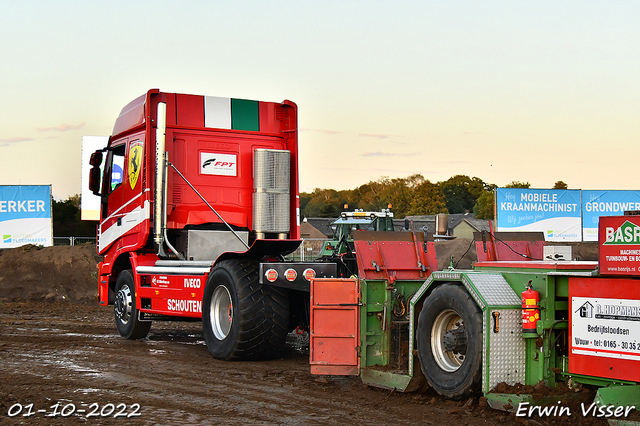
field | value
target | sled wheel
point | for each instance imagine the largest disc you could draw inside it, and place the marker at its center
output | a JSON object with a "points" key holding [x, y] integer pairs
{"points": [[242, 319], [449, 340], [125, 311]]}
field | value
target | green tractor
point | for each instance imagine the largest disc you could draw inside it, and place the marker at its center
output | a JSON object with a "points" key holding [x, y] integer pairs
{"points": [[350, 222]]}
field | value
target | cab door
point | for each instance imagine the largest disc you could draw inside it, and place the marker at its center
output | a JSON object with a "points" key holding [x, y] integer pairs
{"points": [[125, 209], [136, 207], [110, 219]]}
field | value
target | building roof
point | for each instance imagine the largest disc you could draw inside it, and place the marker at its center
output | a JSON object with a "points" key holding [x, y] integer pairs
{"points": [[322, 224], [430, 221], [478, 225]]}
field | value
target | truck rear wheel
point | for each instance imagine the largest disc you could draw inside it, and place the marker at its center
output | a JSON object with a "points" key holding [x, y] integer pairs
{"points": [[242, 319], [449, 340], [125, 311]]}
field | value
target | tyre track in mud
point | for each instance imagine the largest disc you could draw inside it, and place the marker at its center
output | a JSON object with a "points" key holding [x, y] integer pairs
{"points": [[72, 353]]}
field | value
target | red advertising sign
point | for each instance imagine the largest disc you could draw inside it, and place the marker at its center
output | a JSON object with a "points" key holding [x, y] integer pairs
{"points": [[619, 244], [604, 337]]}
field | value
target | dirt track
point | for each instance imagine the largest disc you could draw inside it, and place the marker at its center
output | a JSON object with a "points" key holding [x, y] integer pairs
{"points": [[66, 352]]}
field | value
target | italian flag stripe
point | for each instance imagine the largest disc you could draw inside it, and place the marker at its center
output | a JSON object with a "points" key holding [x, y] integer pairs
{"points": [[227, 113]]}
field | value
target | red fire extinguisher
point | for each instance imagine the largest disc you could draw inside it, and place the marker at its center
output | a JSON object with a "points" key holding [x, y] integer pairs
{"points": [[530, 311]]}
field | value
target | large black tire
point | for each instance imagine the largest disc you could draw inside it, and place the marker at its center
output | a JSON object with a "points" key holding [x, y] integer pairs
{"points": [[242, 319], [125, 311], [451, 360]]}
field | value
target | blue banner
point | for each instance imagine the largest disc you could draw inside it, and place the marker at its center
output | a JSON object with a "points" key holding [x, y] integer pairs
{"points": [[605, 203], [24, 202], [555, 212], [25, 216]]}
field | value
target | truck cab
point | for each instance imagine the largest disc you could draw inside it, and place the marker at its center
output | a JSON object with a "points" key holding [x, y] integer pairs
{"points": [[196, 192]]}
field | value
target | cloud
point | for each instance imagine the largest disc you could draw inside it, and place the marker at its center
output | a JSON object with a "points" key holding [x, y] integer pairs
{"points": [[391, 138], [361, 135], [9, 141], [389, 154], [64, 127], [12, 140], [324, 131], [371, 135]]}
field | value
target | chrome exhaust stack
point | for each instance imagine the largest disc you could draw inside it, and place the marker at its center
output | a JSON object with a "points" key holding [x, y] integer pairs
{"points": [[159, 199], [271, 192]]}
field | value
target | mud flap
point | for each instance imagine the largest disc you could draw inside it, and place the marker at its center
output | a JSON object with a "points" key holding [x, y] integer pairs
{"points": [[334, 347]]}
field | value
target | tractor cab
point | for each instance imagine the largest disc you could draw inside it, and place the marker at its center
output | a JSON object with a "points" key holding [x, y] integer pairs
{"points": [[350, 222]]}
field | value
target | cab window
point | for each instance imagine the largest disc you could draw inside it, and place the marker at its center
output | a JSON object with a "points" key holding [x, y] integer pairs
{"points": [[116, 168]]}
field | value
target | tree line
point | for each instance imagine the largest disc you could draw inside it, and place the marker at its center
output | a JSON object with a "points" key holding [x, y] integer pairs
{"points": [[66, 219], [411, 196]]}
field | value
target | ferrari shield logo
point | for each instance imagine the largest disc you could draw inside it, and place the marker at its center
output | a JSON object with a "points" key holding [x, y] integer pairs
{"points": [[135, 161]]}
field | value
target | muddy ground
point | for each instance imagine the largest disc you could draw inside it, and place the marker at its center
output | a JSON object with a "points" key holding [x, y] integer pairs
{"points": [[58, 348]]}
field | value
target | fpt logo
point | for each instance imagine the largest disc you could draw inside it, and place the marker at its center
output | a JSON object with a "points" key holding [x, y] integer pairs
{"points": [[628, 234], [212, 163]]}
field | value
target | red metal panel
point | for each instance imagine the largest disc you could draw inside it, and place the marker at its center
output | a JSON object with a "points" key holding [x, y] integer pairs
{"points": [[390, 256], [231, 196], [334, 335], [132, 115], [604, 339], [190, 110], [584, 265]]}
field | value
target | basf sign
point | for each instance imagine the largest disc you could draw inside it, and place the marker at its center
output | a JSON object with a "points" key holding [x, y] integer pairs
{"points": [[25, 216], [555, 212], [619, 250]]}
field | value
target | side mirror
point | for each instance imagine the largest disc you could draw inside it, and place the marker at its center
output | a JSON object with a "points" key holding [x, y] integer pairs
{"points": [[94, 178], [95, 173], [96, 159]]}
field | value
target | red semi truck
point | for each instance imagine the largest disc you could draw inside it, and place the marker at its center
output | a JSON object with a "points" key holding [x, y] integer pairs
{"points": [[199, 204]]}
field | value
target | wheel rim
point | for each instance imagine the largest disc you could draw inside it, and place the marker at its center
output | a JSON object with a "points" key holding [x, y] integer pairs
{"points": [[221, 312], [445, 322], [123, 304]]}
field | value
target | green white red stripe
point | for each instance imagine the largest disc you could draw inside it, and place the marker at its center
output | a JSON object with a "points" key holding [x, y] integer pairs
{"points": [[229, 113]]}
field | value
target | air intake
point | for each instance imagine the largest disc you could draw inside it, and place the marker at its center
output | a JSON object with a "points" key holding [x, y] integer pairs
{"points": [[271, 192]]}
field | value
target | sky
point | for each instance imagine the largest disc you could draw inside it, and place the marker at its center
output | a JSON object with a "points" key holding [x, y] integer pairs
{"points": [[505, 91]]}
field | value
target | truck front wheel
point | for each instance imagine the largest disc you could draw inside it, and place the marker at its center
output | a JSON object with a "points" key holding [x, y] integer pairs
{"points": [[242, 319], [125, 311], [449, 340]]}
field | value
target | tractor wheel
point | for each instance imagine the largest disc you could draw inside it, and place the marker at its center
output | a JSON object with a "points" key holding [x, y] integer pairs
{"points": [[125, 311], [449, 340], [242, 319]]}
